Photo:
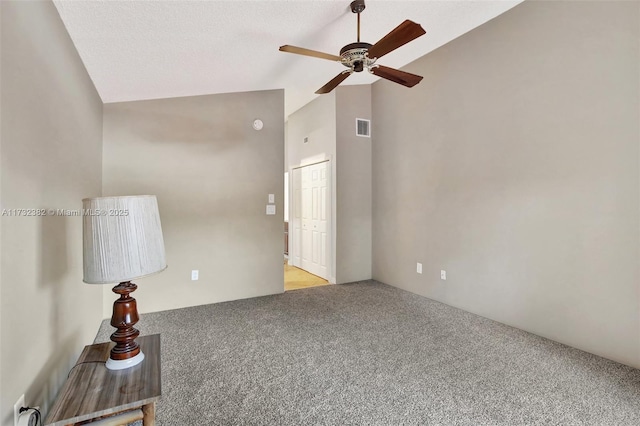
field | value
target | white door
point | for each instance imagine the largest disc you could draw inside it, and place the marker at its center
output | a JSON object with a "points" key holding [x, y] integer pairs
{"points": [[296, 218], [312, 218]]}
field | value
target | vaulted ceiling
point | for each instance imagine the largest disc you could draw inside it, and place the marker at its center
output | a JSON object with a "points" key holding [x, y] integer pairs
{"points": [[149, 49]]}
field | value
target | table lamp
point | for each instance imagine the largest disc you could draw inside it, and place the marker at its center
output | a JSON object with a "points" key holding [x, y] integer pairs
{"points": [[122, 240]]}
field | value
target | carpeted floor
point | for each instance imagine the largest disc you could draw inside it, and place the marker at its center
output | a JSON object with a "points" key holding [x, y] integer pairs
{"points": [[371, 354]]}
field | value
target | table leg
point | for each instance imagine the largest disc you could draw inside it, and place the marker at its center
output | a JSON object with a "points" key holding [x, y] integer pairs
{"points": [[149, 414]]}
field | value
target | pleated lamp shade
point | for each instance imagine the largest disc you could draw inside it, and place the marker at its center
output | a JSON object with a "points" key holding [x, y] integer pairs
{"points": [[122, 239]]}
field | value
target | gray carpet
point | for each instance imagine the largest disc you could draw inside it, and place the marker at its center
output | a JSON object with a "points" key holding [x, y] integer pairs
{"points": [[371, 354]]}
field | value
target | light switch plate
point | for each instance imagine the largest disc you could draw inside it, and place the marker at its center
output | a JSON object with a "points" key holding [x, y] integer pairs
{"points": [[272, 198], [443, 274], [271, 209], [195, 274], [419, 267]]}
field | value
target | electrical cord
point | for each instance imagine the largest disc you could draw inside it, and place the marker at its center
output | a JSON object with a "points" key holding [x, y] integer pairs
{"points": [[85, 362], [37, 411], [38, 414]]}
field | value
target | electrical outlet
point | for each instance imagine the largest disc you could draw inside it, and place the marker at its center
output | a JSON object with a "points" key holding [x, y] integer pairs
{"points": [[419, 267], [194, 275], [443, 275], [16, 409]]}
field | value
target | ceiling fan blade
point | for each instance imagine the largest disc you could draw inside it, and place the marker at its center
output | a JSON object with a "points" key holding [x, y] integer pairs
{"points": [[333, 83], [397, 76], [309, 52], [401, 35]]}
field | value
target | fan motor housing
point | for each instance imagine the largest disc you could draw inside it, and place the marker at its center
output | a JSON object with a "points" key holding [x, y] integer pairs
{"points": [[354, 56]]}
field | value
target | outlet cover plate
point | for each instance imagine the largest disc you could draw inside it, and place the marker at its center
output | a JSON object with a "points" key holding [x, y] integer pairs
{"points": [[443, 275], [16, 409], [195, 275], [419, 267]]}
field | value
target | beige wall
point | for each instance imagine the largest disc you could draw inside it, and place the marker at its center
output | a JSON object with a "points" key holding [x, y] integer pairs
{"points": [[353, 153], [1, 398], [51, 132], [316, 120], [514, 166], [212, 173]]}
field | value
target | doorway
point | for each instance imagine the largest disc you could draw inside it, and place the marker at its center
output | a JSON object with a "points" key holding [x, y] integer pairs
{"points": [[309, 227], [296, 278]]}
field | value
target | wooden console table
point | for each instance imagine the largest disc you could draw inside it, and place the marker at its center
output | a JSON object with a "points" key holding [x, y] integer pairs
{"points": [[93, 392]]}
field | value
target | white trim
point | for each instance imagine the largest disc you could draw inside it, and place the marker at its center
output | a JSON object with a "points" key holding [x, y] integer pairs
{"points": [[309, 162], [115, 364]]}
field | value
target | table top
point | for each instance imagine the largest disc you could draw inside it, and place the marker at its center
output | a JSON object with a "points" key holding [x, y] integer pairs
{"points": [[92, 390]]}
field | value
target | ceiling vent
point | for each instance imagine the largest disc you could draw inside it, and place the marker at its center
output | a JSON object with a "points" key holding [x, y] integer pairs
{"points": [[363, 127]]}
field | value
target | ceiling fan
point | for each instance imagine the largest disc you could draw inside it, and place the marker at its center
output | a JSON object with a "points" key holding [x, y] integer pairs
{"points": [[360, 55]]}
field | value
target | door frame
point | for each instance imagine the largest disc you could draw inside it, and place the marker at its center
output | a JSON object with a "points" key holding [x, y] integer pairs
{"points": [[295, 235]]}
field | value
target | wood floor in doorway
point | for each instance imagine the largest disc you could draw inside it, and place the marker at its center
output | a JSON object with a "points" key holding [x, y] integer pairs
{"points": [[296, 278]]}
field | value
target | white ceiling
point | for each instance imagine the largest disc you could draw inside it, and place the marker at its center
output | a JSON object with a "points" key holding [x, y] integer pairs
{"points": [[149, 49]]}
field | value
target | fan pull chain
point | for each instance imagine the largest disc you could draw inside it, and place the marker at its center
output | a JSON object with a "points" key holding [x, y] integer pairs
{"points": [[358, 27]]}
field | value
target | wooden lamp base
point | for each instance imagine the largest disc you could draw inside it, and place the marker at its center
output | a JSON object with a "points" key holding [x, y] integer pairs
{"points": [[126, 353]]}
